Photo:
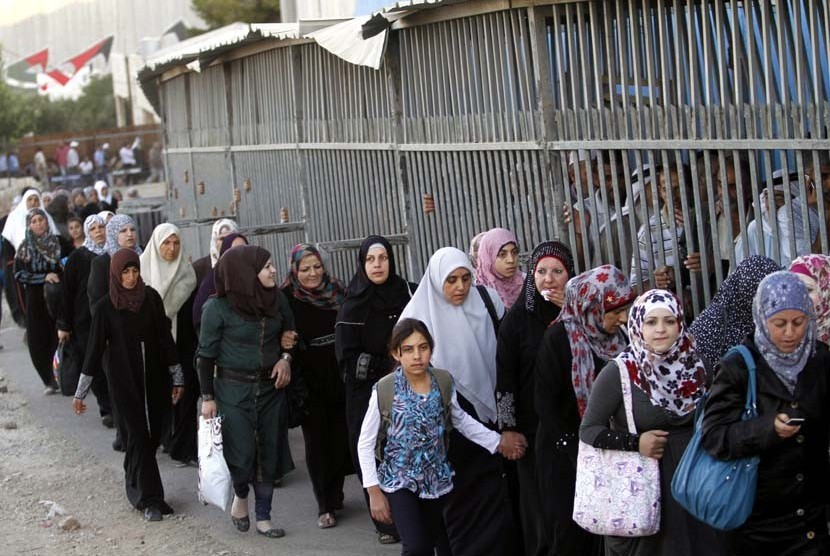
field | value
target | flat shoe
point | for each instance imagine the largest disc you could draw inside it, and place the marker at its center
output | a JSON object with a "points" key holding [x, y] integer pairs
{"points": [[152, 514], [386, 538], [326, 521], [272, 533], [242, 524]]}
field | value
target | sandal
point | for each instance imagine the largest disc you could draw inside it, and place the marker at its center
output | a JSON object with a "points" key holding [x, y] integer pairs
{"points": [[386, 538], [326, 520]]}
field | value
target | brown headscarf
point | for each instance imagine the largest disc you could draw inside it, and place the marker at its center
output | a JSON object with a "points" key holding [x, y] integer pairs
{"points": [[121, 297], [236, 278]]}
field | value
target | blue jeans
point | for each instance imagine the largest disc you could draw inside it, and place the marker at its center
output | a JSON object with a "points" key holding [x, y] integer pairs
{"points": [[263, 493]]}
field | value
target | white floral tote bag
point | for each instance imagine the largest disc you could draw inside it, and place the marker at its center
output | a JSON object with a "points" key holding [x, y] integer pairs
{"points": [[617, 492]]}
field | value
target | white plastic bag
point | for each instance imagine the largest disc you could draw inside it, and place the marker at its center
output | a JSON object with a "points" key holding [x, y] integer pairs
{"points": [[215, 485]]}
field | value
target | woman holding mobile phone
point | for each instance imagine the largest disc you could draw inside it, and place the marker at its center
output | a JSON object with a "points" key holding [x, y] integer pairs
{"points": [[790, 433]]}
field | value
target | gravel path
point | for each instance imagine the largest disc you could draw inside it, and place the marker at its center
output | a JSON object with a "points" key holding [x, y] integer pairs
{"points": [[50, 456]]}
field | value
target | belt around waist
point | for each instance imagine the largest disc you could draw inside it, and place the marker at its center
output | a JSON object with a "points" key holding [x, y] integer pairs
{"points": [[240, 375]]}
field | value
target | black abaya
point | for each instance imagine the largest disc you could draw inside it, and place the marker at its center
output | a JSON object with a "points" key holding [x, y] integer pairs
{"points": [[74, 316], [41, 334], [141, 350], [324, 427], [183, 440]]}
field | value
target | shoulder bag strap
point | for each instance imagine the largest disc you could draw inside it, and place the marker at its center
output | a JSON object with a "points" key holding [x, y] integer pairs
{"points": [[491, 308], [750, 408], [386, 393], [625, 386]]}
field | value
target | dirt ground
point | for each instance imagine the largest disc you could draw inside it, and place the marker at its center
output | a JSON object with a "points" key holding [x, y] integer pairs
{"points": [[38, 466]]}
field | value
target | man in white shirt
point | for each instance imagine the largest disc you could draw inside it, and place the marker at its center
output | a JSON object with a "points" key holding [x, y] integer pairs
{"points": [[126, 155], [73, 159]]}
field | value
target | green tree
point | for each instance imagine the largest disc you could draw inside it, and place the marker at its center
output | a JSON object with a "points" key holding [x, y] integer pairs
{"points": [[218, 13], [16, 117]]}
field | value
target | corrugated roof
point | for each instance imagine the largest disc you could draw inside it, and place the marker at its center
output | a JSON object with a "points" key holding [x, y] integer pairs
{"points": [[345, 40], [385, 17]]}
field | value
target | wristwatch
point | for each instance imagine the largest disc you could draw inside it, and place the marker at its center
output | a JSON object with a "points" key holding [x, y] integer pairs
{"points": [[286, 356], [207, 397]]}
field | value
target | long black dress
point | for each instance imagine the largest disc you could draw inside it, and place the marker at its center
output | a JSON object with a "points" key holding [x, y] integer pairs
{"points": [[141, 350], [520, 334], [324, 428], [40, 326], [98, 284], [75, 317], [183, 441], [557, 441]]}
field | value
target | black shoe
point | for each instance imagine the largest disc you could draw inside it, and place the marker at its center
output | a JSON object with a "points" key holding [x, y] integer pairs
{"points": [[242, 524], [165, 509], [152, 514], [117, 446], [107, 421]]}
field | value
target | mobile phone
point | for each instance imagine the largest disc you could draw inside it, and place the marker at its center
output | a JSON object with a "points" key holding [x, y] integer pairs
{"points": [[794, 421]]}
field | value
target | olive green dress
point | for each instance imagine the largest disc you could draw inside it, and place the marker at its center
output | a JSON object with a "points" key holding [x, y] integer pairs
{"points": [[254, 426]]}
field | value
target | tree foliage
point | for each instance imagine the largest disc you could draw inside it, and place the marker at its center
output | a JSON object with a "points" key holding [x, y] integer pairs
{"points": [[16, 116], [218, 13]]}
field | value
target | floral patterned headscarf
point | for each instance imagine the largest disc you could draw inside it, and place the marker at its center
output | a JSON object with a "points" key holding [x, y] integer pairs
{"points": [[328, 295], [817, 267], [673, 380], [587, 298]]}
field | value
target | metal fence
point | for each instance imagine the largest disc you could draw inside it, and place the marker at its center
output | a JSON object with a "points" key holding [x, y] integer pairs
{"points": [[707, 119]]}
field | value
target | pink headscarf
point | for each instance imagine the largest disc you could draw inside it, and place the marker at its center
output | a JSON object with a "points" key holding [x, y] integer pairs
{"points": [[488, 250]]}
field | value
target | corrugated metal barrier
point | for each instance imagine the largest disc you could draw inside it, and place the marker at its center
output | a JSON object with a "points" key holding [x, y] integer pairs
{"points": [[642, 133]]}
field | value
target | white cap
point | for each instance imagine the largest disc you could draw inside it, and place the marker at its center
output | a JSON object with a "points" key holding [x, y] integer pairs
{"points": [[105, 146], [73, 144]]}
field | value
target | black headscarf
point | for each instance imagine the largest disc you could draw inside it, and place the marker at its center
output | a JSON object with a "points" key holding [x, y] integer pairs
{"points": [[363, 294], [236, 278], [534, 303], [121, 297]]}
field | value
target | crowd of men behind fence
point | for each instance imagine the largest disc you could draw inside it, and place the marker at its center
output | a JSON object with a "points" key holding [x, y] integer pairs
{"points": [[474, 404]]}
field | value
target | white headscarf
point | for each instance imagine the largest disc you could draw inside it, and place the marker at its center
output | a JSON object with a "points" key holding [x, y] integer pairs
{"points": [[99, 187], [15, 229], [221, 226], [174, 281], [106, 214], [465, 340]]}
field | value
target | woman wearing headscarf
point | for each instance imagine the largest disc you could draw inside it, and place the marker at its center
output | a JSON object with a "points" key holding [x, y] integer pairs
{"points": [[728, 318], [374, 301], [106, 215], [75, 227], [165, 268], [221, 228], [315, 297], [121, 234], [476, 512], [584, 337], [92, 205], [497, 266], [207, 288], [239, 343], [75, 318], [36, 263], [667, 380], [16, 228], [105, 199], [520, 334], [814, 273], [789, 515], [59, 210], [130, 337]]}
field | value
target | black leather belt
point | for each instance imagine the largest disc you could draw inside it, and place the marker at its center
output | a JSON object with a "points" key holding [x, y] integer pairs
{"points": [[244, 375]]}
